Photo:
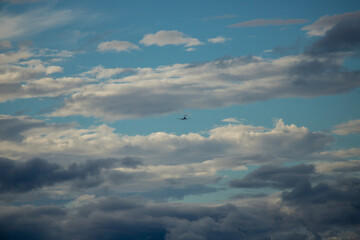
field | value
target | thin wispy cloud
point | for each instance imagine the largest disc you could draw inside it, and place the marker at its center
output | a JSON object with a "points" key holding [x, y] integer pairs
{"points": [[230, 120], [350, 127], [32, 22], [267, 22]]}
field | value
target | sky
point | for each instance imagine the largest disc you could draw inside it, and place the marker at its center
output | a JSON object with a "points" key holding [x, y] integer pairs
{"points": [[92, 145]]}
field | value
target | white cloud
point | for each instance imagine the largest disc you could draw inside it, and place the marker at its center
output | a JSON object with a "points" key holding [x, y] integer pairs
{"points": [[118, 46], [26, 74], [32, 22], [236, 144], [343, 166], [212, 84], [53, 69], [325, 23], [162, 38], [230, 120], [100, 72], [190, 49], [266, 22], [14, 57], [340, 154], [352, 126], [218, 39], [167, 159]]}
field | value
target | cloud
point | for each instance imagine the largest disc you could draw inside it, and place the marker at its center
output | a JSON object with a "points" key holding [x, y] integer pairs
{"points": [[350, 127], [344, 36], [102, 73], [17, 176], [218, 39], [14, 57], [190, 49], [5, 45], [117, 46], [339, 167], [26, 74], [230, 120], [12, 128], [137, 219], [275, 177], [162, 38], [241, 80], [267, 22], [32, 22], [249, 143], [325, 23]]}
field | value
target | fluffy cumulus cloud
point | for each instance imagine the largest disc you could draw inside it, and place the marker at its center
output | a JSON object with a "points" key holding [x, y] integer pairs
{"points": [[159, 165], [117, 46], [162, 38], [251, 144], [266, 22]]}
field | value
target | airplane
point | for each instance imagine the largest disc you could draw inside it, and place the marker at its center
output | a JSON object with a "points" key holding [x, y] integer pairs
{"points": [[184, 117]]}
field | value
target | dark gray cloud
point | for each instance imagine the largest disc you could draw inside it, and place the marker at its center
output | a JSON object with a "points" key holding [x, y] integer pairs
{"points": [[131, 162], [343, 37], [11, 128], [344, 190], [17, 176], [275, 177], [116, 218], [318, 203], [179, 192]]}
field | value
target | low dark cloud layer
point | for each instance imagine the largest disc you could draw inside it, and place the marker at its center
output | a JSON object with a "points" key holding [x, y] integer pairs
{"points": [[115, 218], [275, 177], [17, 176]]}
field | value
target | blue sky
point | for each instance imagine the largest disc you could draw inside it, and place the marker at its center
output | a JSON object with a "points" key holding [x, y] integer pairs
{"points": [[91, 93]]}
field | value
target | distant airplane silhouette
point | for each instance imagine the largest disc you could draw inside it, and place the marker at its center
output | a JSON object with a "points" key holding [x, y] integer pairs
{"points": [[184, 117]]}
